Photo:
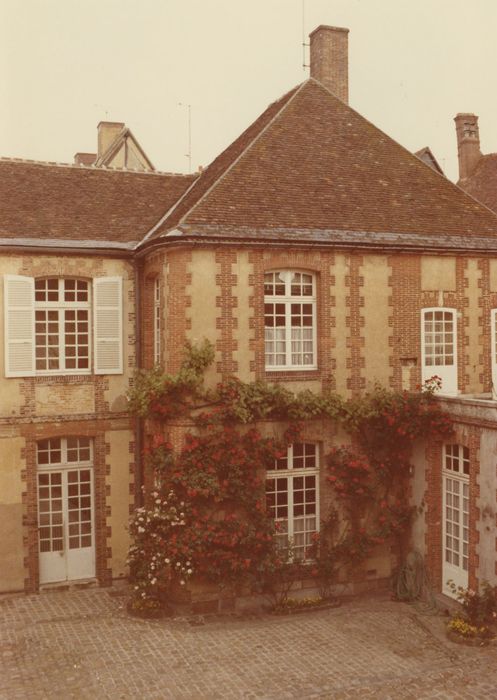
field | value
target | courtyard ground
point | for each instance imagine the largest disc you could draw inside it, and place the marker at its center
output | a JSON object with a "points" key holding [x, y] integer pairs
{"points": [[82, 644]]}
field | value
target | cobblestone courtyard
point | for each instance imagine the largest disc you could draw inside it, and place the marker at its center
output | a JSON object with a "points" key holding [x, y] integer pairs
{"points": [[83, 645]]}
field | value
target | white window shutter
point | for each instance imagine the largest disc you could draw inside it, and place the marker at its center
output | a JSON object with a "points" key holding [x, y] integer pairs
{"points": [[108, 325], [19, 325]]}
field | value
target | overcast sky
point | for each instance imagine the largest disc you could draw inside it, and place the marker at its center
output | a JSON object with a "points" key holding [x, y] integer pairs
{"points": [[67, 64]]}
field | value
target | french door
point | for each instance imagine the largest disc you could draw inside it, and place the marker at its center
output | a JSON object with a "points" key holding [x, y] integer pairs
{"points": [[439, 347], [65, 510], [455, 517]]}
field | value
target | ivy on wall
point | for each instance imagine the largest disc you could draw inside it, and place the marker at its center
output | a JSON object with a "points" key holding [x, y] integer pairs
{"points": [[206, 515]]}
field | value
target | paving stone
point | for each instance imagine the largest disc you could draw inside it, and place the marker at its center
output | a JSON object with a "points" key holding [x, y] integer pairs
{"points": [[82, 644]]}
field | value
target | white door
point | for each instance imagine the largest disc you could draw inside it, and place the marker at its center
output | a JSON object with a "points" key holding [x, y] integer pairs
{"points": [[439, 347], [455, 517], [65, 510]]}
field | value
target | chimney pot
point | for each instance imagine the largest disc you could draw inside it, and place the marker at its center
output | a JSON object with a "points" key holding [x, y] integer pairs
{"points": [[468, 143], [329, 59]]}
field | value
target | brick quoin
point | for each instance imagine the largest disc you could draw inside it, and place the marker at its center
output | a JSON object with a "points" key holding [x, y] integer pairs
{"points": [[226, 321], [355, 324], [178, 303], [405, 319]]}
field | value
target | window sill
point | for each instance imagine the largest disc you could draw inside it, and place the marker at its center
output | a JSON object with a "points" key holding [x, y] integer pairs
{"points": [[64, 378], [288, 375]]}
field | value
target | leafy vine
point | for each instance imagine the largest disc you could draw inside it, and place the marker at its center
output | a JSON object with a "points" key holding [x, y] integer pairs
{"points": [[206, 515]]}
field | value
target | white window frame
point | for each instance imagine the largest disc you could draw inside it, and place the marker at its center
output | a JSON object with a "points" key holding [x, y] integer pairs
{"points": [[290, 473], [447, 372], [105, 326], [64, 462], [157, 321], [455, 518], [287, 299], [65, 562], [60, 307]]}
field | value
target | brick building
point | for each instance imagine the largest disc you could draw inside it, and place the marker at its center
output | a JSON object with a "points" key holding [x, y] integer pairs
{"points": [[477, 171], [314, 251]]}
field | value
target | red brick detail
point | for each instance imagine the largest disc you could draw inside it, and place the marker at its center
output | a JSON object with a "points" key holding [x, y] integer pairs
{"points": [[226, 321], [27, 391], [487, 301], [405, 319], [433, 513], [178, 303], [473, 442], [355, 323]]}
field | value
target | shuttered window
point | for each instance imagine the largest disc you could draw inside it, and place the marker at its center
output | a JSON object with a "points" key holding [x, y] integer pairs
{"points": [[107, 296], [19, 326], [48, 326]]}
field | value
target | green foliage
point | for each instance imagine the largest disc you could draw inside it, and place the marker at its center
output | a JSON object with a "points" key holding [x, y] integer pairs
{"points": [[207, 515], [223, 532], [157, 394], [479, 608], [238, 402]]}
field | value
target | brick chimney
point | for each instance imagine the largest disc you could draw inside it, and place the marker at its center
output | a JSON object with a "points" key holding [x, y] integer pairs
{"points": [[85, 158], [329, 59], [468, 143], [107, 133]]}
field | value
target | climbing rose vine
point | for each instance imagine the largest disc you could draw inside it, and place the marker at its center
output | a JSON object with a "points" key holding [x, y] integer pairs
{"points": [[206, 515]]}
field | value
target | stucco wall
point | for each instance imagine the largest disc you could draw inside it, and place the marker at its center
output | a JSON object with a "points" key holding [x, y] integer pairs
{"points": [[486, 504], [40, 407], [120, 499], [11, 511]]}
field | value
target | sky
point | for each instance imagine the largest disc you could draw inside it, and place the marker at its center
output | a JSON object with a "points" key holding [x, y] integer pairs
{"points": [[65, 65]]}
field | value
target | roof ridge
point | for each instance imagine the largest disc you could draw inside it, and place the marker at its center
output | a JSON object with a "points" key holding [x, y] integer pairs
{"points": [[206, 170], [247, 147], [93, 168]]}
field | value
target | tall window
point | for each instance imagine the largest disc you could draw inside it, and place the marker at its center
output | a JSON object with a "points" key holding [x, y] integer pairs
{"points": [[157, 321], [292, 497], [62, 324], [439, 347], [456, 514], [65, 493], [290, 320]]}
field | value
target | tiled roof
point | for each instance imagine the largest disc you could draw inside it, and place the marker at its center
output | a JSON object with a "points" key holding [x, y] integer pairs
{"points": [[49, 201], [223, 162], [312, 162], [482, 183]]}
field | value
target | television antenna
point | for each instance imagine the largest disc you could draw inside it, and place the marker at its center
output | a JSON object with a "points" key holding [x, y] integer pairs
{"points": [[189, 154], [304, 43]]}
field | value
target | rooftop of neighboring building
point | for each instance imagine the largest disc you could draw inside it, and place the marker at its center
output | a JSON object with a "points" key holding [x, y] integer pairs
{"points": [[47, 201]]}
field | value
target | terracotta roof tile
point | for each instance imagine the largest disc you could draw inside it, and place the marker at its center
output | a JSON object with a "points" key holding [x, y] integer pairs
{"points": [[43, 201], [223, 162], [312, 162], [482, 184]]}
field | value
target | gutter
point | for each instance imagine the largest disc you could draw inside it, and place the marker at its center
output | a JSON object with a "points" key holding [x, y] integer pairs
{"points": [[382, 247], [139, 471]]}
